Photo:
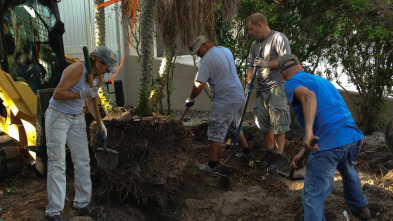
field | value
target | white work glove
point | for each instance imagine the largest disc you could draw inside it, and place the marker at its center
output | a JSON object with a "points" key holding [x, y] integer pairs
{"points": [[104, 131], [102, 136], [89, 93], [260, 62]]}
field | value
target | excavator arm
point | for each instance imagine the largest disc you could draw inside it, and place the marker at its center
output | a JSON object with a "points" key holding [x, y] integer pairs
{"points": [[19, 115]]}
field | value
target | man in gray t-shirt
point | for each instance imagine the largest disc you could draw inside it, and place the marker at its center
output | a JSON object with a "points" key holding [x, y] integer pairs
{"points": [[217, 68], [271, 109]]}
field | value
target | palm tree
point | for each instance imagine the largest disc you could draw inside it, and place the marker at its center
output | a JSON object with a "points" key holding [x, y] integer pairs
{"points": [[99, 15], [148, 17], [180, 22]]}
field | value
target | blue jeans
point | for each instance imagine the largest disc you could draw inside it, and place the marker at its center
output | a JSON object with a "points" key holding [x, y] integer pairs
{"points": [[319, 180]]}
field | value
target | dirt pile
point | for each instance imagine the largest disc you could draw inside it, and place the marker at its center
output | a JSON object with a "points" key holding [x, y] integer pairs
{"points": [[153, 152], [157, 179]]}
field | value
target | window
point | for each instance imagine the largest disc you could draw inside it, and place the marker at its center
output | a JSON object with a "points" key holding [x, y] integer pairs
{"points": [[32, 44]]}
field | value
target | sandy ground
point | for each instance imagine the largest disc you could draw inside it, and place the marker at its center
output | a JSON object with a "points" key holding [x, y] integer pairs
{"points": [[253, 194]]}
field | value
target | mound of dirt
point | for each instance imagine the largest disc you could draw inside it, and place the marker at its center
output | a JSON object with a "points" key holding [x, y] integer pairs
{"points": [[153, 152], [156, 178]]}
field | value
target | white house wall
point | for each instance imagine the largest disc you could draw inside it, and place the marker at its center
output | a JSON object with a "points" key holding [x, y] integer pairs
{"points": [[79, 23], [78, 17], [183, 80]]}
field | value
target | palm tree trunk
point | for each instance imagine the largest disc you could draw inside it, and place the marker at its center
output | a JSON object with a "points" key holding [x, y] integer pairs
{"points": [[148, 17], [100, 23]]}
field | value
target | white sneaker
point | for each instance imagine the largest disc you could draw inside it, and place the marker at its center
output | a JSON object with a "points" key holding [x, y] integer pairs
{"points": [[207, 169]]}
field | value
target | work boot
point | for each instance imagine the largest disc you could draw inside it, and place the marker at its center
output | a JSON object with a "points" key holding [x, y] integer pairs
{"points": [[54, 218], [269, 158], [363, 213], [86, 211], [281, 160], [207, 169], [245, 157]]}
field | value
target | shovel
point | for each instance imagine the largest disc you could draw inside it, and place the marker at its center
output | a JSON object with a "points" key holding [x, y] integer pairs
{"points": [[291, 176], [184, 114], [225, 180], [254, 75], [107, 159]]}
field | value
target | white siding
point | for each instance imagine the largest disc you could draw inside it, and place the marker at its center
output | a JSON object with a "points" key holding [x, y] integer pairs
{"points": [[78, 18]]}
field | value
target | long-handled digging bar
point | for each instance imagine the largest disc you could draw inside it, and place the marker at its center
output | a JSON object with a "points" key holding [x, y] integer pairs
{"points": [[291, 176], [254, 75], [224, 178], [107, 159]]}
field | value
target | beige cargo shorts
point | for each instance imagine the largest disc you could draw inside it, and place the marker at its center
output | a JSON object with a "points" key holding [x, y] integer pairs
{"points": [[271, 111]]}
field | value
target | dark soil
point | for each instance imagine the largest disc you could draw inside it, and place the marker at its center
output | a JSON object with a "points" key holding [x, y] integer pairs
{"points": [[156, 178]]}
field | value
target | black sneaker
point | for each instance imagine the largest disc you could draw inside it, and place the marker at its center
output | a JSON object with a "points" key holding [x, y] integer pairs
{"points": [[54, 218], [269, 158], [281, 160], [363, 213], [86, 211], [245, 157]]}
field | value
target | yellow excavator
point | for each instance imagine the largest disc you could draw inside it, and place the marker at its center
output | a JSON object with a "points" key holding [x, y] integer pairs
{"points": [[32, 59]]}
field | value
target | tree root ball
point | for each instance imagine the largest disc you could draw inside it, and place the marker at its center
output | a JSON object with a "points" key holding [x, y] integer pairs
{"points": [[153, 153]]}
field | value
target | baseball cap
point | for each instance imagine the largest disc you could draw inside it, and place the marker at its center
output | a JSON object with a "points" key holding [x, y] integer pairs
{"points": [[108, 57], [284, 59], [197, 44]]}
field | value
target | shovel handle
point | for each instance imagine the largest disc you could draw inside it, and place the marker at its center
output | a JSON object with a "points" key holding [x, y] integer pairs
{"points": [[304, 155], [184, 114], [91, 83], [254, 75]]}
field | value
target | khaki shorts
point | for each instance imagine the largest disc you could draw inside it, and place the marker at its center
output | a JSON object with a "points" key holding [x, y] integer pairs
{"points": [[271, 111], [221, 124]]}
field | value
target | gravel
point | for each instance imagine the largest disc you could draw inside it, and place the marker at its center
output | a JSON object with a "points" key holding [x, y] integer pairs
{"points": [[196, 117]]}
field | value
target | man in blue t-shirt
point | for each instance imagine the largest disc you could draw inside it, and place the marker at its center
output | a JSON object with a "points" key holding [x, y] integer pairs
{"points": [[321, 111], [217, 68]]}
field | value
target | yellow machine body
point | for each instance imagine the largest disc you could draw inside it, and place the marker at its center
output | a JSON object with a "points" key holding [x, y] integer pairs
{"points": [[18, 119]]}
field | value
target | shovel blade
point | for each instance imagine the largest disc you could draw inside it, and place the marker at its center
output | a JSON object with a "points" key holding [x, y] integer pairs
{"points": [[285, 175], [225, 181], [294, 176], [107, 159], [297, 177]]}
